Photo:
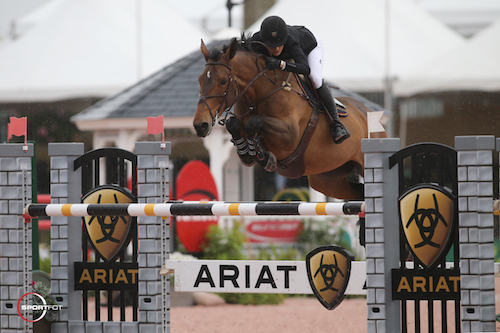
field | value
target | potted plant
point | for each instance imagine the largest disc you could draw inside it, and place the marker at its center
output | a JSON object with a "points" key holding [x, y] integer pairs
{"points": [[43, 326]]}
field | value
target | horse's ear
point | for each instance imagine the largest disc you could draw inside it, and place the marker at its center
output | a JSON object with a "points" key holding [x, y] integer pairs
{"points": [[204, 50], [231, 51]]}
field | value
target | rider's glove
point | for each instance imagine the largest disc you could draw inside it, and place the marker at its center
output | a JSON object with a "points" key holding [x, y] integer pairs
{"points": [[272, 63]]}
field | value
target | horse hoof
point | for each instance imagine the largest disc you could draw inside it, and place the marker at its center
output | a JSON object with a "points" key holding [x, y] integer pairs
{"points": [[272, 163], [247, 160]]}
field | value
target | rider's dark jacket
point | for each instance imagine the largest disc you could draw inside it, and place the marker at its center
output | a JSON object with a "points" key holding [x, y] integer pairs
{"points": [[299, 44]]}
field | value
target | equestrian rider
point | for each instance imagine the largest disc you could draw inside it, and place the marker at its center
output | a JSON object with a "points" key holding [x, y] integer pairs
{"points": [[301, 45]]}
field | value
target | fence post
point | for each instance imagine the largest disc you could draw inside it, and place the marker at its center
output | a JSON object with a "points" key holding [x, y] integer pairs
{"points": [[475, 205], [154, 289], [15, 235], [381, 194], [65, 187]]}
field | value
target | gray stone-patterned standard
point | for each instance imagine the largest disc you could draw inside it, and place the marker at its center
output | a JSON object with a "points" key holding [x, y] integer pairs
{"points": [[154, 305], [475, 210], [153, 288], [13, 159], [382, 228]]}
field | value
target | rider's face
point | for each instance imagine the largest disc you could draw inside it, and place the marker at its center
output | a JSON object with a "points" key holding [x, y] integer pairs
{"points": [[276, 51]]}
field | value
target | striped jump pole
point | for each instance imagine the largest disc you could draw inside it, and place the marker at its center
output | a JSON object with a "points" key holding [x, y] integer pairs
{"points": [[207, 208]]}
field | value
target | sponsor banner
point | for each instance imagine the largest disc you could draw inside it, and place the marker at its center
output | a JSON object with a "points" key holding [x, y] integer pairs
{"points": [[408, 284], [273, 231], [251, 276], [106, 275]]}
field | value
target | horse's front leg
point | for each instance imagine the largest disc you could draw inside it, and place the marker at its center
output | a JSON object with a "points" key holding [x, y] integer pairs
{"points": [[247, 156], [256, 145]]}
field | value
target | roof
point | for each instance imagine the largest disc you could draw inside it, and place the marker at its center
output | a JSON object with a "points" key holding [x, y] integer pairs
{"points": [[172, 92]]}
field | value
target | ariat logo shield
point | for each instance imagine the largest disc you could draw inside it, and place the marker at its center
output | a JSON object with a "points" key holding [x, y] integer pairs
{"points": [[108, 234], [426, 215], [328, 270]]}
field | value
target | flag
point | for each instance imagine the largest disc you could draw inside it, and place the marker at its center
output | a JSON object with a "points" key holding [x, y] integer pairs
{"points": [[155, 125], [17, 127], [374, 124]]}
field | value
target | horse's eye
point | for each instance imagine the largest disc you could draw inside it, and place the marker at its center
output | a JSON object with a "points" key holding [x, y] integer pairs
{"points": [[223, 82]]}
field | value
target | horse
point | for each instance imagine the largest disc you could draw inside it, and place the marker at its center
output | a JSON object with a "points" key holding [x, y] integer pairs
{"points": [[275, 123]]}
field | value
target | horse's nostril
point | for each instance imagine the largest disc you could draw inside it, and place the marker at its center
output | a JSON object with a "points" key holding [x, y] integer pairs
{"points": [[202, 129]]}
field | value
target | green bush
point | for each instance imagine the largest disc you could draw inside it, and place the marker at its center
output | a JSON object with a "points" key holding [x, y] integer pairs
{"points": [[44, 291], [253, 299], [278, 253], [317, 233], [45, 265], [224, 244]]}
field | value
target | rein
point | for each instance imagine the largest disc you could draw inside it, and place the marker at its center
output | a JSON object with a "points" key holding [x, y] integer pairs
{"points": [[262, 72]]}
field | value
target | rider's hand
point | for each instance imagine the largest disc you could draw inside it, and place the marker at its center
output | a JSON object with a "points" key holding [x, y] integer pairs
{"points": [[272, 63]]}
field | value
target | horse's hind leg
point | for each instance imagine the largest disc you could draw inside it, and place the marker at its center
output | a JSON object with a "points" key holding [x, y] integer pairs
{"points": [[342, 183], [337, 184]]}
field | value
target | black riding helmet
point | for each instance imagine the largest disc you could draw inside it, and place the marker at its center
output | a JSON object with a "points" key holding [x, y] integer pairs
{"points": [[274, 31]]}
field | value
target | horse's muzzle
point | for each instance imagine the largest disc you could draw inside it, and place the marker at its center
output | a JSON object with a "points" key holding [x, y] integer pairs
{"points": [[203, 129]]}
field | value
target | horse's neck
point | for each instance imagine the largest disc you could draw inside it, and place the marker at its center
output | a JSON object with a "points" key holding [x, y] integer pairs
{"points": [[256, 89]]}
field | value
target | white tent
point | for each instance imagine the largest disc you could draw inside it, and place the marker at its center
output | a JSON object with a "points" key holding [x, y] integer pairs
{"points": [[227, 33], [93, 48], [474, 65], [354, 35], [10, 11], [464, 16]]}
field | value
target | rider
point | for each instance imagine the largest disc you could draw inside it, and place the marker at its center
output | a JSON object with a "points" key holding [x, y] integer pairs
{"points": [[301, 45]]}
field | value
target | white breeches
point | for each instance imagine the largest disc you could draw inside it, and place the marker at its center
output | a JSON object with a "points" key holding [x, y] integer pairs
{"points": [[315, 60]]}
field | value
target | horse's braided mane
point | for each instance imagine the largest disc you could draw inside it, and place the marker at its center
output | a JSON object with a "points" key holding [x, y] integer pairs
{"points": [[243, 44]]}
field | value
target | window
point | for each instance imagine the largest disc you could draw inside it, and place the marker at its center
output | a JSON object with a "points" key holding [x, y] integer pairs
{"points": [[422, 108]]}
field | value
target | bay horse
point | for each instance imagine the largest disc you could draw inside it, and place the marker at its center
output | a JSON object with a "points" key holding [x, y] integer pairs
{"points": [[276, 124]]}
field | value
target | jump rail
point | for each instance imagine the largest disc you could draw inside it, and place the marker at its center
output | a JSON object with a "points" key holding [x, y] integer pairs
{"points": [[207, 208]]}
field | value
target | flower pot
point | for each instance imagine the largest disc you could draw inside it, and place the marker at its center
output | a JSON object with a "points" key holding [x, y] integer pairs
{"points": [[41, 326]]}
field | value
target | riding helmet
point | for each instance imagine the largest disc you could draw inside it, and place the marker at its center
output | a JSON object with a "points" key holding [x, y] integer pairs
{"points": [[274, 31]]}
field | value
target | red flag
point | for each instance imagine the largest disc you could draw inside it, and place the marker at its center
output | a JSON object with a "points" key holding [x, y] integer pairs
{"points": [[18, 127], [155, 125]]}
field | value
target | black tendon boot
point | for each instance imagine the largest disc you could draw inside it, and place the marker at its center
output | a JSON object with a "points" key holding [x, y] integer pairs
{"points": [[339, 131]]}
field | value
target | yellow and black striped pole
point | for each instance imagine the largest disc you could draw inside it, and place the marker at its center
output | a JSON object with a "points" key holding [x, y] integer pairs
{"points": [[208, 208]]}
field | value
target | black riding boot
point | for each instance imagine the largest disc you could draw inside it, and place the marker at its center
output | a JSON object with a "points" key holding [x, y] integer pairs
{"points": [[339, 131]]}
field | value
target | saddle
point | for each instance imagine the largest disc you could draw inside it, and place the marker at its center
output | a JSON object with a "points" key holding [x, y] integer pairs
{"points": [[307, 88], [294, 165]]}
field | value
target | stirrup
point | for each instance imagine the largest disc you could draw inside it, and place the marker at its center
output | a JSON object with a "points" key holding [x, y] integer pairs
{"points": [[333, 132]]}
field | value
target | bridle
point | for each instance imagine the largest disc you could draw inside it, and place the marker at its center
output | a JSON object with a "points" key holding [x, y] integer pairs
{"points": [[203, 99], [231, 78]]}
